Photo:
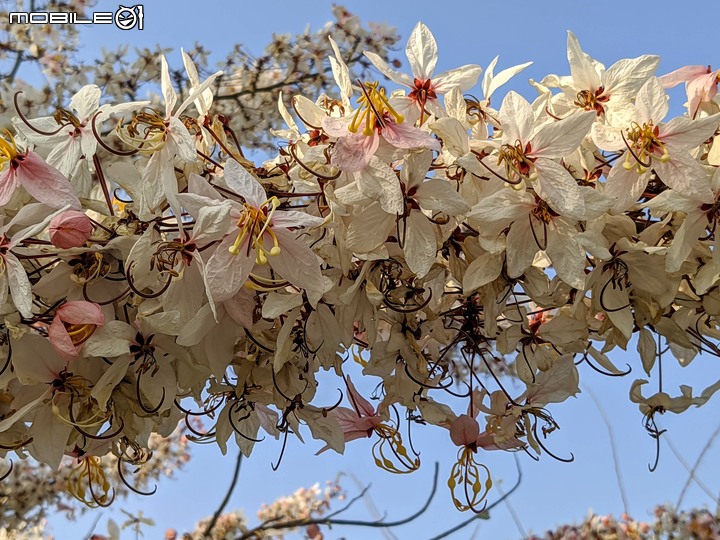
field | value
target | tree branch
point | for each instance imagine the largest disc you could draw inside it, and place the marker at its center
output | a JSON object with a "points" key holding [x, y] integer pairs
{"points": [[328, 520], [223, 504], [486, 513]]}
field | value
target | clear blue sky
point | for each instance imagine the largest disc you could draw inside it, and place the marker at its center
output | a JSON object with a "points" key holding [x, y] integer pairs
{"points": [[551, 492]]}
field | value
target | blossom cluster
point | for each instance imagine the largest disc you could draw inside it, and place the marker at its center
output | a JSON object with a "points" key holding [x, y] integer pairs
{"points": [[696, 523], [32, 490], [245, 95], [151, 273]]}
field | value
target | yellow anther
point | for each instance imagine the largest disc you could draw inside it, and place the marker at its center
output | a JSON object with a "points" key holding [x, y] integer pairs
{"points": [[373, 106], [8, 149], [255, 223], [399, 118]]}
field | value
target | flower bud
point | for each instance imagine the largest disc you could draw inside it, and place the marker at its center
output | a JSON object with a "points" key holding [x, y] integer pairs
{"points": [[70, 229], [464, 431]]}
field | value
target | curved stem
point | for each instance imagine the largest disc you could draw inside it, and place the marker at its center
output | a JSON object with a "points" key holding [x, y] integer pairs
{"points": [[226, 500]]}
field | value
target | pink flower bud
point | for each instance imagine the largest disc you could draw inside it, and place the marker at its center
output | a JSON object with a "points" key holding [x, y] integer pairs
{"points": [[464, 431], [70, 229]]}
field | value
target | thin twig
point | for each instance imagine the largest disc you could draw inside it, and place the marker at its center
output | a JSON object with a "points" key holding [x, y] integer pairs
{"points": [[223, 504], [295, 523], [691, 471], [513, 514], [695, 466], [370, 504], [613, 449]]}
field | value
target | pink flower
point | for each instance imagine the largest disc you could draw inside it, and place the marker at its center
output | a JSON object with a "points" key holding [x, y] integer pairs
{"points": [[464, 431], [361, 420], [28, 170], [358, 422], [376, 121], [700, 85], [73, 325], [70, 229]]}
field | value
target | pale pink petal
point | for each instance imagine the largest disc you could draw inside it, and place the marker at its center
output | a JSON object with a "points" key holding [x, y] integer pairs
{"points": [[61, 341], [44, 182], [486, 441], [464, 431], [70, 229], [406, 136], [701, 90], [353, 152], [360, 404], [681, 75], [8, 185], [337, 127], [81, 312]]}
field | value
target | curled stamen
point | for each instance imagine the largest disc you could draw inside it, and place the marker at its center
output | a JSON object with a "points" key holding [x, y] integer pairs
{"points": [[149, 410], [309, 170], [615, 285], [104, 145], [467, 472], [27, 122], [132, 488], [89, 472], [390, 437]]}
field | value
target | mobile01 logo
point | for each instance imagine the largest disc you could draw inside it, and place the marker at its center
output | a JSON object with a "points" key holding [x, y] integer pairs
{"points": [[125, 18]]}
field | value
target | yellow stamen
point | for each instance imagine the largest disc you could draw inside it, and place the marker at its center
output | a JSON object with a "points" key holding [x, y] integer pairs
{"points": [[644, 145], [80, 333], [8, 149], [255, 222], [373, 106]]}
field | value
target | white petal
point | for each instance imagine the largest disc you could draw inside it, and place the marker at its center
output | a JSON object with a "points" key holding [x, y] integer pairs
{"points": [[382, 66], [686, 176], [167, 88], [369, 228], [624, 186], [464, 77], [582, 68], [624, 78], [86, 101], [685, 134], [420, 246], [481, 271], [652, 102], [521, 246], [685, 240], [492, 82], [517, 118], [439, 196], [421, 51], [556, 186], [20, 287], [226, 273], [561, 138], [242, 183], [453, 134]]}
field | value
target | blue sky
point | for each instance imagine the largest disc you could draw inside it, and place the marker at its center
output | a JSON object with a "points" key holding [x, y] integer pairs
{"points": [[551, 492]]}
